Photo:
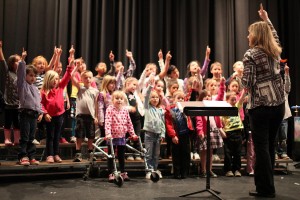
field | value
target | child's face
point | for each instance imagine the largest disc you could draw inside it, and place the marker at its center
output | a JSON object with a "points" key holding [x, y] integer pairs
{"points": [[208, 96], [154, 99], [151, 69], [194, 67], [239, 68], [173, 88], [118, 65], [86, 79], [232, 100], [159, 87], [212, 88], [216, 71], [59, 68], [174, 74], [111, 86], [40, 66], [30, 78], [179, 98], [16, 63], [101, 68], [55, 81], [233, 87], [118, 102], [131, 87]]}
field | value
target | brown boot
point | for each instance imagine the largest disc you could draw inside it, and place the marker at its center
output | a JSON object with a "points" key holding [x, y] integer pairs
{"points": [[16, 137], [7, 141]]}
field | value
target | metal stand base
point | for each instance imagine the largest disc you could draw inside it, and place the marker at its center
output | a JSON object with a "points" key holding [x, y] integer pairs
{"points": [[213, 192]]}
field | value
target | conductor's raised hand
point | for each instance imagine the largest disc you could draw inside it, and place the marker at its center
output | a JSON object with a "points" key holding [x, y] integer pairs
{"points": [[262, 13]]}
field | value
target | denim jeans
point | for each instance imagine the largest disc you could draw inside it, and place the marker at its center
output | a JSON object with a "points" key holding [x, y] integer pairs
{"points": [[27, 131], [152, 145], [265, 122], [53, 135]]}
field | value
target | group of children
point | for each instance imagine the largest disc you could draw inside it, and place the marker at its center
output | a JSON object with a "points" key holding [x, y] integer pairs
{"points": [[120, 106]]}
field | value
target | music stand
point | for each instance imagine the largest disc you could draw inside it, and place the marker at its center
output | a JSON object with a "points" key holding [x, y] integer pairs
{"points": [[207, 108]]}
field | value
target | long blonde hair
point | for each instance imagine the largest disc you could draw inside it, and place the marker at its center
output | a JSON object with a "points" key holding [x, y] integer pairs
{"points": [[263, 38], [48, 79], [107, 79]]}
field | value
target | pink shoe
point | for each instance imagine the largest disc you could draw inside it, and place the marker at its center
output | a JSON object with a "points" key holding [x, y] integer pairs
{"points": [[24, 161], [111, 177], [125, 176], [50, 159], [63, 140], [34, 162]]}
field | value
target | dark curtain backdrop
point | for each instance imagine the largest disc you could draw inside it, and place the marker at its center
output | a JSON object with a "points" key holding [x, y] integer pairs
{"points": [[185, 27]]}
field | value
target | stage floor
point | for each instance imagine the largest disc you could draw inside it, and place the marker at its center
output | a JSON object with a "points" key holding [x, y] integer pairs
{"points": [[73, 187]]}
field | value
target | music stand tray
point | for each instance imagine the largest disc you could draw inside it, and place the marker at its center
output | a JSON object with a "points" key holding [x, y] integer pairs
{"points": [[207, 108]]}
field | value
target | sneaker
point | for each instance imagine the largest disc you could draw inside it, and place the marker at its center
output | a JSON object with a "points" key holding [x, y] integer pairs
{"points": [[50, 159], [130, 158], [57, 159], [111, 178], [63, 140], [229, 174], [251, 173], [213, 175], [196, 156], [216, 157], [192, 156], [148, 176], [36, 142], [24, 161], [85, 140], [34, 162], [125, 176], [73, 139], [159, 173], [78, 157], [138, 158], [284, 156], [203, 174], [237, 173]]}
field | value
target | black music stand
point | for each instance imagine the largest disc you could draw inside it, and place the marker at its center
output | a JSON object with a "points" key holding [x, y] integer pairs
{"points": [[207, 108]]}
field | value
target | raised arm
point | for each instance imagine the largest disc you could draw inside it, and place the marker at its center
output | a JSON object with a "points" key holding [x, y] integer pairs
{"points": [[75, 81], [206, 62], [1, 52], [164, 71]]}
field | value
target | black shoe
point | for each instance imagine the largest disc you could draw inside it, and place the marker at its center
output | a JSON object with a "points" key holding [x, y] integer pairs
{"points": [[203, 175], [213, 175], [256, 194]]}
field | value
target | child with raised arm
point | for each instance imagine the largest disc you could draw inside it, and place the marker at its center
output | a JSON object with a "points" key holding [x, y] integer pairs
{"points": [[117, 124], [11, 98], [154, 126], [233, 138], [53, 108], [30, 111], [86, 117]]}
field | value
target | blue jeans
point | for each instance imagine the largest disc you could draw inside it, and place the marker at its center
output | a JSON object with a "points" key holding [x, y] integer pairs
{"points": [[265, 122], [27, 131], [53, 135], [152, 145]]}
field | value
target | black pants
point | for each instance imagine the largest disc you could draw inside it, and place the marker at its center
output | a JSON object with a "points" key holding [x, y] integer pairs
{"points": [[181, 155], [264, 123], [120, 151], [232, 150]]}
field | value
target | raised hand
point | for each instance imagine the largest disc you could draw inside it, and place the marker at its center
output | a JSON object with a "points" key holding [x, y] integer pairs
{"points": [[168, 56], [72, 50], [160, 55], [24, 54], [207, 53], [111, 56], [129, 54], [262, 13]]}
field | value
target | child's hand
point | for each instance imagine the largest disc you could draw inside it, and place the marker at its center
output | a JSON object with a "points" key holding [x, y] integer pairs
{"points": [[152, 80], [168, 56], [132, 109], [72, 50], [207, 53], [160, 55], [96, 121], [40, 117], [108, 137], [24, 54], [59, 51], [111, 56], [175, 140], [47, 117], [129, 54], [286, 69]]}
